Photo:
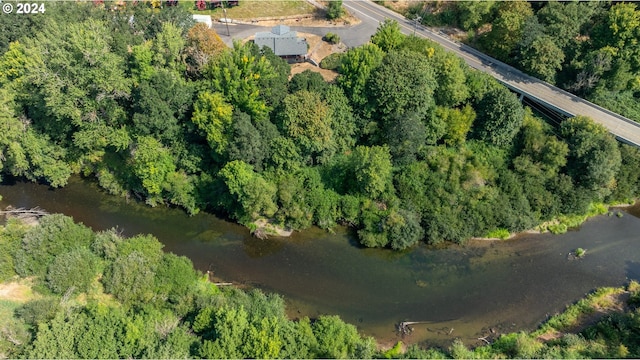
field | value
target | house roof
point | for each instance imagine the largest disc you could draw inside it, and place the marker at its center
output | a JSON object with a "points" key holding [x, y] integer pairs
{"points": [[282, 41]]}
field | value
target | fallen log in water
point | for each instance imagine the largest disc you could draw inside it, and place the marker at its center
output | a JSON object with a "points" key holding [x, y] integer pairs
{"points": [[22, 212], [405, 328]]}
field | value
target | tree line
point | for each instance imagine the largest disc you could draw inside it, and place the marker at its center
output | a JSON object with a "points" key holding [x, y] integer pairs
{"points": [[96, 295], [103, 296], [408, 144], [588, 48]]}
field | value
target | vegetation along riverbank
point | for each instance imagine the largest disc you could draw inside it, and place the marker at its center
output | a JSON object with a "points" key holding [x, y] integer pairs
{"points": [[408, 144], [67, 292]]}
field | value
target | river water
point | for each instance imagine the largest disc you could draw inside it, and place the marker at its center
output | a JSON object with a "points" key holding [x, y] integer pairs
{"points": [[458, 292]]}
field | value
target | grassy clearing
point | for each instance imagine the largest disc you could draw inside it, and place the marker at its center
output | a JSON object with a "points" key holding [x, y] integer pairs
{"points": [[13, 294], [248, 10], [501, 234]]}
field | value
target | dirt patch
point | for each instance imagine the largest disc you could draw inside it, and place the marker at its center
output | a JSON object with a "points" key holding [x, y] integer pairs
{"points": [[327, 75], [305, 20], [266, 228], [399, 6]]}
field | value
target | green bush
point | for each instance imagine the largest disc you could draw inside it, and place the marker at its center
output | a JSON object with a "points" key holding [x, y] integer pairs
{"points": [[332, 38], [130, 278], [56, 234], [331, 62], [38, 311], [334, 9], [10, 238], [73, 270], [558, 228], [499, 233]]}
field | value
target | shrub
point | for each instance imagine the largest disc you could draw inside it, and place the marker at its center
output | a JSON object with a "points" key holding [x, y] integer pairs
{"points": [[499, 233], [332, 38], [38, 311], [130, 278], [75, 269], [558, 228], [332, 62], [10, 239], [334, 9], [56, 234]]}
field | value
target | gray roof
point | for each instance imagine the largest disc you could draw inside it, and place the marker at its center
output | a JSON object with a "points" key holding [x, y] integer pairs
{"points": [[282, 41]]}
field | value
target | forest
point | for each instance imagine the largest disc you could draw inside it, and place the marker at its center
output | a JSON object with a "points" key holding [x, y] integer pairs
{"points": [[589, 48], [75, 293], [407, 145]]}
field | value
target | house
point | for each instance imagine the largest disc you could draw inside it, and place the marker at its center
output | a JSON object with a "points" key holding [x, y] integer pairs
{"points": [[284, 43]]}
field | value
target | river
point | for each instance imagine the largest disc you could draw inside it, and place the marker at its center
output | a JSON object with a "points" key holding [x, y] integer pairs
{"points": [[459, 292]]}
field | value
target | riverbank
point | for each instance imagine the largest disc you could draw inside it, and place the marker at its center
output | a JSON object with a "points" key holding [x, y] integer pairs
{"points": [[563, 223], [508, 285]]}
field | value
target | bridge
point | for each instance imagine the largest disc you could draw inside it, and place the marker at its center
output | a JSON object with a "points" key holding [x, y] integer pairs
{"points": [[538, 91]]}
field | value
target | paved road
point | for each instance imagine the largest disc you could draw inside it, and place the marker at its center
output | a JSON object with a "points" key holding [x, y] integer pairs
{"points": [[624, 129]]}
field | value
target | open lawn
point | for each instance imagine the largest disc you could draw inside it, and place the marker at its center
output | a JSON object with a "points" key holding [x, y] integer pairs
{"points": [[14, 294], [254, 9]]}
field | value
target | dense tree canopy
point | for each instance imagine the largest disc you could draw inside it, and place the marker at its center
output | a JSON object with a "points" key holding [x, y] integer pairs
{"points": [[408, 144]]}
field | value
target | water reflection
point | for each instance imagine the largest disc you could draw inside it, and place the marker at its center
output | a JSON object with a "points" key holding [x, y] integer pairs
{"points": [[507, 285]]}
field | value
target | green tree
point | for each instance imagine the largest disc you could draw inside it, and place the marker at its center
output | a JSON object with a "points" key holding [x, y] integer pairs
{"points": [[500, 116], [334, 9], [474, 13], [168, 46], [130, 278], [224, 330], [404, 229], [11, 235], [594, 157], [372, 170], [160, 105], [403, 84], [285, 155], [274, 87], [239, 75], [452, 89], [406, 135], [307, 80], [75, 270], [355, 69], [627, 181], [152, 163], [55, 339], [246, 142], [458, 123], [336, 339], [563, 20], [174, 276], [388, 35], [55, 235], [75, 77], [307, 120], [25, 151], [542, 58], [251, 195], [213, 115], [507, 29], [343, 121]]}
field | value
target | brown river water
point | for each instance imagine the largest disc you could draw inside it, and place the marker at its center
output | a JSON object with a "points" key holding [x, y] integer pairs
{"points": [[457, 292]]}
